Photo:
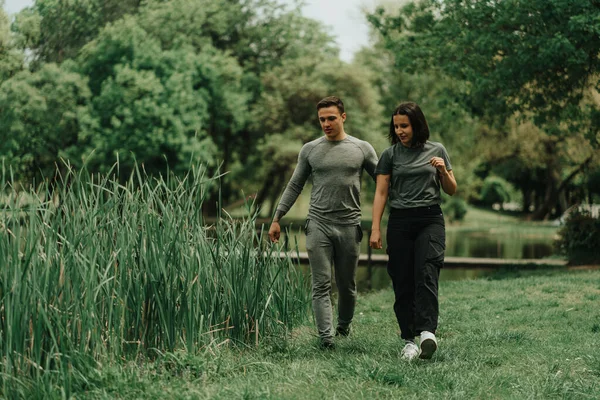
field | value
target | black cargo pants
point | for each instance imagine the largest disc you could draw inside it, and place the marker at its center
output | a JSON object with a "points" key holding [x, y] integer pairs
{"points": [[415, 245]]}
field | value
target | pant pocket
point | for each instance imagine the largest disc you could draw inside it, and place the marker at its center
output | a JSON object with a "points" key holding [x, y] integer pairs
{"points": [[306, 226], [436, 249], [359, 233]]}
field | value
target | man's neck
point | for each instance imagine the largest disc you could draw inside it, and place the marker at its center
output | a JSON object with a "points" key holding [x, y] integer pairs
{"points": [[342, 135]]}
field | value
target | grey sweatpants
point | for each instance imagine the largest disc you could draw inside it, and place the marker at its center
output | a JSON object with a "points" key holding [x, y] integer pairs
{"points": [[338, 246]]}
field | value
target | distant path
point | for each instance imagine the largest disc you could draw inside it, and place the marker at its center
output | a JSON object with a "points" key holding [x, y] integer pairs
{"points": [[452, 262]]}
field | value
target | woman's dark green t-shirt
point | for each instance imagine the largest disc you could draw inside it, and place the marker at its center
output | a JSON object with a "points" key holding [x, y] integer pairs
{"points": [[414, 181]]}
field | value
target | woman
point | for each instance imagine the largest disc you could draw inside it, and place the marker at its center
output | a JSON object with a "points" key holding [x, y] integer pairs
{"points": [[410, 173]]}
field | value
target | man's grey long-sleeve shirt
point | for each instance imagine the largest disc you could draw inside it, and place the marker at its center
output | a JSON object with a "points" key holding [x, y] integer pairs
{"points": [[336, 168]]}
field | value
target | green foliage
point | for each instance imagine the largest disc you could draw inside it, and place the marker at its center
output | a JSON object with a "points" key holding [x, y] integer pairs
{"points": [[512, 54], [169, 82], [100, 269], [495, 190], [41, 115], [11, 60], [455, 208], [55, 30], [579, 238], [533, 61], [160, 106]]}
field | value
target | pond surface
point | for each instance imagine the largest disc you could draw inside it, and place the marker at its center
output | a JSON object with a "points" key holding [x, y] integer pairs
{"points": [[506, 243], [489, 243]]}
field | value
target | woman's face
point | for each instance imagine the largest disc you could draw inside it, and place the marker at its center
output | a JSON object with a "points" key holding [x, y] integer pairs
{"points": [[403, 129]]}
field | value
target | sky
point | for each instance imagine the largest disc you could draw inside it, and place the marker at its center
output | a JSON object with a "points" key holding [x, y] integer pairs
{"points": [[347, 20], [344, 17]]}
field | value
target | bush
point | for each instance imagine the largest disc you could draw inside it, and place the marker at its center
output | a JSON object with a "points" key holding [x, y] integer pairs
{"points": [[495, 190], [580, 238], [455, 209]]}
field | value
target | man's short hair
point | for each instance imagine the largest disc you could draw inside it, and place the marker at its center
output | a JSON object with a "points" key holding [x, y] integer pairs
{"points": [[330, 101]]}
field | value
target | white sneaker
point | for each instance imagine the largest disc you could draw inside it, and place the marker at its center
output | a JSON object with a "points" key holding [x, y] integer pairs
{"points": [[410, 351], [428, 345]]}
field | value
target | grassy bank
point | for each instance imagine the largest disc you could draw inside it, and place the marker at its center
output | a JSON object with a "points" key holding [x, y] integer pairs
{"points": [[515, 336]]}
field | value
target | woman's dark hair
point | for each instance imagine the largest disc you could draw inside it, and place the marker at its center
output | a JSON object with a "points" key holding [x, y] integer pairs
{"points": [[331, 101], [417, 121]]}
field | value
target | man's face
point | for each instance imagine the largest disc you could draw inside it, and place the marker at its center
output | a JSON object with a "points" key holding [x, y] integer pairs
{"points": [[332, 122]]}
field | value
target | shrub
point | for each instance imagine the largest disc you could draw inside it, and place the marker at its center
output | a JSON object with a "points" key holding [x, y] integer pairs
{"points": [[579, 238], [495, 190], [455, 209]]}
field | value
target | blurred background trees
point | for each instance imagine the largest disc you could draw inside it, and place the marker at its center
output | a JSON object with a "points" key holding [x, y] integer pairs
{"points": [[527, 70], [509, 87]]}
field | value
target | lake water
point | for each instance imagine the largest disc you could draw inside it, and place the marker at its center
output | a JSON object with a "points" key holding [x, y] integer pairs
{"points": [[511, 244], [489, 243]]}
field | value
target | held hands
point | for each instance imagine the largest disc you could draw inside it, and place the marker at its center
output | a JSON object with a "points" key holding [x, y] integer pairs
{"points": [[275, 232], [375, 240], [438, 163]]}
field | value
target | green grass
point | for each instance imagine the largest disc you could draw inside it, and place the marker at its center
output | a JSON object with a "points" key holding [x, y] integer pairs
{"points": [[114, 289], [525, 335], [99, 271]]}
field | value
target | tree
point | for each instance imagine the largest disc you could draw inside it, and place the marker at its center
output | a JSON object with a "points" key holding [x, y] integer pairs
{"points": [[159, 106], [55, 30], [11, 60], [41, 116], [536, 61], [260, 35]]}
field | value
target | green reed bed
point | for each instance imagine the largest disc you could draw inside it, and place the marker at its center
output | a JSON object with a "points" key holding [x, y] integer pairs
{"points": [[96, 271]]}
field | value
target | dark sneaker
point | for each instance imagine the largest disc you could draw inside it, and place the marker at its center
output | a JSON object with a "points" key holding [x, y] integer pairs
{"points": [[327, 344], [343, 332]]}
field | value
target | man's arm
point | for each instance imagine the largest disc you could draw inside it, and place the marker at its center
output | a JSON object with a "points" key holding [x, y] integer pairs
{"points": [[371, 160], [291, 193]]}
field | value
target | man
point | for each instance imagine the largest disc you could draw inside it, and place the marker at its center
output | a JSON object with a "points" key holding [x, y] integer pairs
{"points": [[333, 233]]}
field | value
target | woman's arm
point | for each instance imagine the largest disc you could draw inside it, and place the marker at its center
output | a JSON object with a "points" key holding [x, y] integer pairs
{"points": [[448, 182], [446, 177], [381, 195]]}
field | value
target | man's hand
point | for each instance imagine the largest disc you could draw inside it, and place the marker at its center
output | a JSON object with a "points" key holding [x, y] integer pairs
{"points": [[375, 240], [275, 232]]}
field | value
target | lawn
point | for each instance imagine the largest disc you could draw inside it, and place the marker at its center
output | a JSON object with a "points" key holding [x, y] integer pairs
{"points": [[120, 290], [532, 335]]}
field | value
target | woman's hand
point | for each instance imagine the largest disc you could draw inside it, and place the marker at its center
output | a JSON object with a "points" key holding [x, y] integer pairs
{"points": [[439, 164], [375, 240], [446, 177]]}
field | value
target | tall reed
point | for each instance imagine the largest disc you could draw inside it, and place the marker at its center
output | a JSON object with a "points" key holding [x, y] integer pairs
{"points": [[94, 270]]}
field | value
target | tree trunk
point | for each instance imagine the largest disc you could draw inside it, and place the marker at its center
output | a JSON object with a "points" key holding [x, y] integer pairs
{"points": [[555, 190], [526, 199], [548, 203], [263, 193], [277, 189], [551, 179]]}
